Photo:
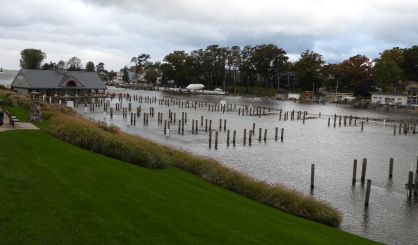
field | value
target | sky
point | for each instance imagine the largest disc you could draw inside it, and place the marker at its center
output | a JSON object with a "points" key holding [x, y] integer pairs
{"points": [[113, 31]]}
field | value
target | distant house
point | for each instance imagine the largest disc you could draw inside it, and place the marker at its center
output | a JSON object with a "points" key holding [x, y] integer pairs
{"points": [[389, 98], [58, 83]]}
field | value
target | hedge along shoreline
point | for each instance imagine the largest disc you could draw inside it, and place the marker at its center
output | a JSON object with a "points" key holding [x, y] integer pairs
{"points": [[67, 125]]}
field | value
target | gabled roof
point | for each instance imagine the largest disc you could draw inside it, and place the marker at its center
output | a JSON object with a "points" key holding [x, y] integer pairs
{"points": [[47, 79]]}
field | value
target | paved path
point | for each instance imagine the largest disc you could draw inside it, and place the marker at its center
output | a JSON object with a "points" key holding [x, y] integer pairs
{"points": [[18, 125]]}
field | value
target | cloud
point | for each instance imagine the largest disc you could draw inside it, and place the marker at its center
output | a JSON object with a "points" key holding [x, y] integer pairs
{"points": [[113, 31]]}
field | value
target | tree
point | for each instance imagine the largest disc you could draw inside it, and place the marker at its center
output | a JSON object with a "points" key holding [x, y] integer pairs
{"points": [[100, 67], [354, 74], [31, 58], [387, 73], [49, 66], [74, 64], [175, 67], [309, 70], [90, 66], [125, 75], [140, 62], [410, 64]]}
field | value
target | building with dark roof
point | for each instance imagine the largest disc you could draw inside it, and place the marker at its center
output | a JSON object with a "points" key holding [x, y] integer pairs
{"points": [[58, 82]]}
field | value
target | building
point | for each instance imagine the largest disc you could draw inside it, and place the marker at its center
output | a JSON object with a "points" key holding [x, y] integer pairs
{"points": [[58, 82], [389, 98]]}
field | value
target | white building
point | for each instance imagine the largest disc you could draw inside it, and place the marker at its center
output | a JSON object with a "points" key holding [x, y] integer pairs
{"points": [[389, 98]]}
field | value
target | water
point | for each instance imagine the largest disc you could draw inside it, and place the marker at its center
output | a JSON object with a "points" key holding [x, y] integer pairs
{"points": [[390, 218], [7, 76]]}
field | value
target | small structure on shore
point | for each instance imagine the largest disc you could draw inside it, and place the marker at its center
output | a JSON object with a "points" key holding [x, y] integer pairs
{"points": [[57, 82], [389, 98]]}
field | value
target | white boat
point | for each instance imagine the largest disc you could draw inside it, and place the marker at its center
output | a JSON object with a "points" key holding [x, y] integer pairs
{"points": [[195, 86]]}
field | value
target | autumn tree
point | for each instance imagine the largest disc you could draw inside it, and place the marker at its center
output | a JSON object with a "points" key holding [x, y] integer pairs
{"points": [[354, 74]]}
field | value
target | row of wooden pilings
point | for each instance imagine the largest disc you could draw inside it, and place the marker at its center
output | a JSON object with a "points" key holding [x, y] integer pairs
{"points": [[244, 140], [410, 186]]}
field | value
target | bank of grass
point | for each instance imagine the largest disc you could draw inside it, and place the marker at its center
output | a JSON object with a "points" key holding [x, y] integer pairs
{"points": [[56, 193], [65, 124]]}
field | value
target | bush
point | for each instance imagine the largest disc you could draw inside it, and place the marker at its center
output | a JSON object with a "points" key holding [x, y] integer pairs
{"points": [[111, 143]]}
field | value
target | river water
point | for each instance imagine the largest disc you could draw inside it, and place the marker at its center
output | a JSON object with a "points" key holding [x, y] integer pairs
{"points": [[391, 217]]}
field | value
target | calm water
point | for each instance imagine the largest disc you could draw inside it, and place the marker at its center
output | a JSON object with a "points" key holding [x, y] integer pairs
{"points": [[390, 218], [7, 76]]}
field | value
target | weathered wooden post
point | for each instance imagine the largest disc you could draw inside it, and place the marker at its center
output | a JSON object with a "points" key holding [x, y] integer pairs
{"points": [[201, 121], [400, 127], [210, 139], [233, 137], [197, 126], [410, 183], [224, 124], [259, 134], [192, 126], [362, 125], [253, 128], [227, 137], [312, 176], [276, 133], [363, 170], [390, 168], [179, 126], [339, 121], [182, 127], [206, 125], [335, 120], [249, 137], [245, 136], [220, 124], [216, 140], [329, 120], [369, 185], [354, 171], [394, 129], [265, 135], [281, 136], [210, 125], [111, 112], [303, 118]]}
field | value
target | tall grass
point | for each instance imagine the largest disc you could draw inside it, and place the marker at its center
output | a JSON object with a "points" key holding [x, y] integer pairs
{"points": [[65, 124]]}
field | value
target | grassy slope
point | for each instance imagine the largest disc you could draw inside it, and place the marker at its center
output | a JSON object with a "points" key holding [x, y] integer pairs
{"points": [[19, 112], [53, 192]]}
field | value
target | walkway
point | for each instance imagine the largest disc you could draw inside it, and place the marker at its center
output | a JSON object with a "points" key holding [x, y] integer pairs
{"points": [[18, 125]]}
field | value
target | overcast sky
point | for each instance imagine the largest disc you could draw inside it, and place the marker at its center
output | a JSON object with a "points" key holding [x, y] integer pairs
{"points": [[113, 31]]}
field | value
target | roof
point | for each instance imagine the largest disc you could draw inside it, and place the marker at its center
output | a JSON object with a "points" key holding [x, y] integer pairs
{"points": [[49, 79]]}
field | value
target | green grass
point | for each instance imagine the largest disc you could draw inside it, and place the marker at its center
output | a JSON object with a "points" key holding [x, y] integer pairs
{"points": [[21, 113], [56, 193]]}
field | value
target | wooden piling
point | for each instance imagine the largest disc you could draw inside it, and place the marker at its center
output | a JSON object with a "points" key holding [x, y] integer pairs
{"points": [[276, 133], [249, 137], [394, 129], [216, 140], [390, 168], [354, 171], [410, 184], [224, 124], [265, 135], [362, 125], [210, 139], [363, 170], [312, 176], [227, 137], [245, 136], [233, 137], [369, 185], [281, 136]]}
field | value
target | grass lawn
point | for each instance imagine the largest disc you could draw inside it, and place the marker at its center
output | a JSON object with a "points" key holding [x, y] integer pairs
{"points": [[19, 112], [55, 193]]}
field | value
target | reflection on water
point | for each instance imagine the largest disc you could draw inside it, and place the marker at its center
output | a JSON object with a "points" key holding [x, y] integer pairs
{"points": [[390, 218]]}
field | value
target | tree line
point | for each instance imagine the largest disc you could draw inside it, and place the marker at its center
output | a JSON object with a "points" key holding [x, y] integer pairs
{"points": [[260, 65]]}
